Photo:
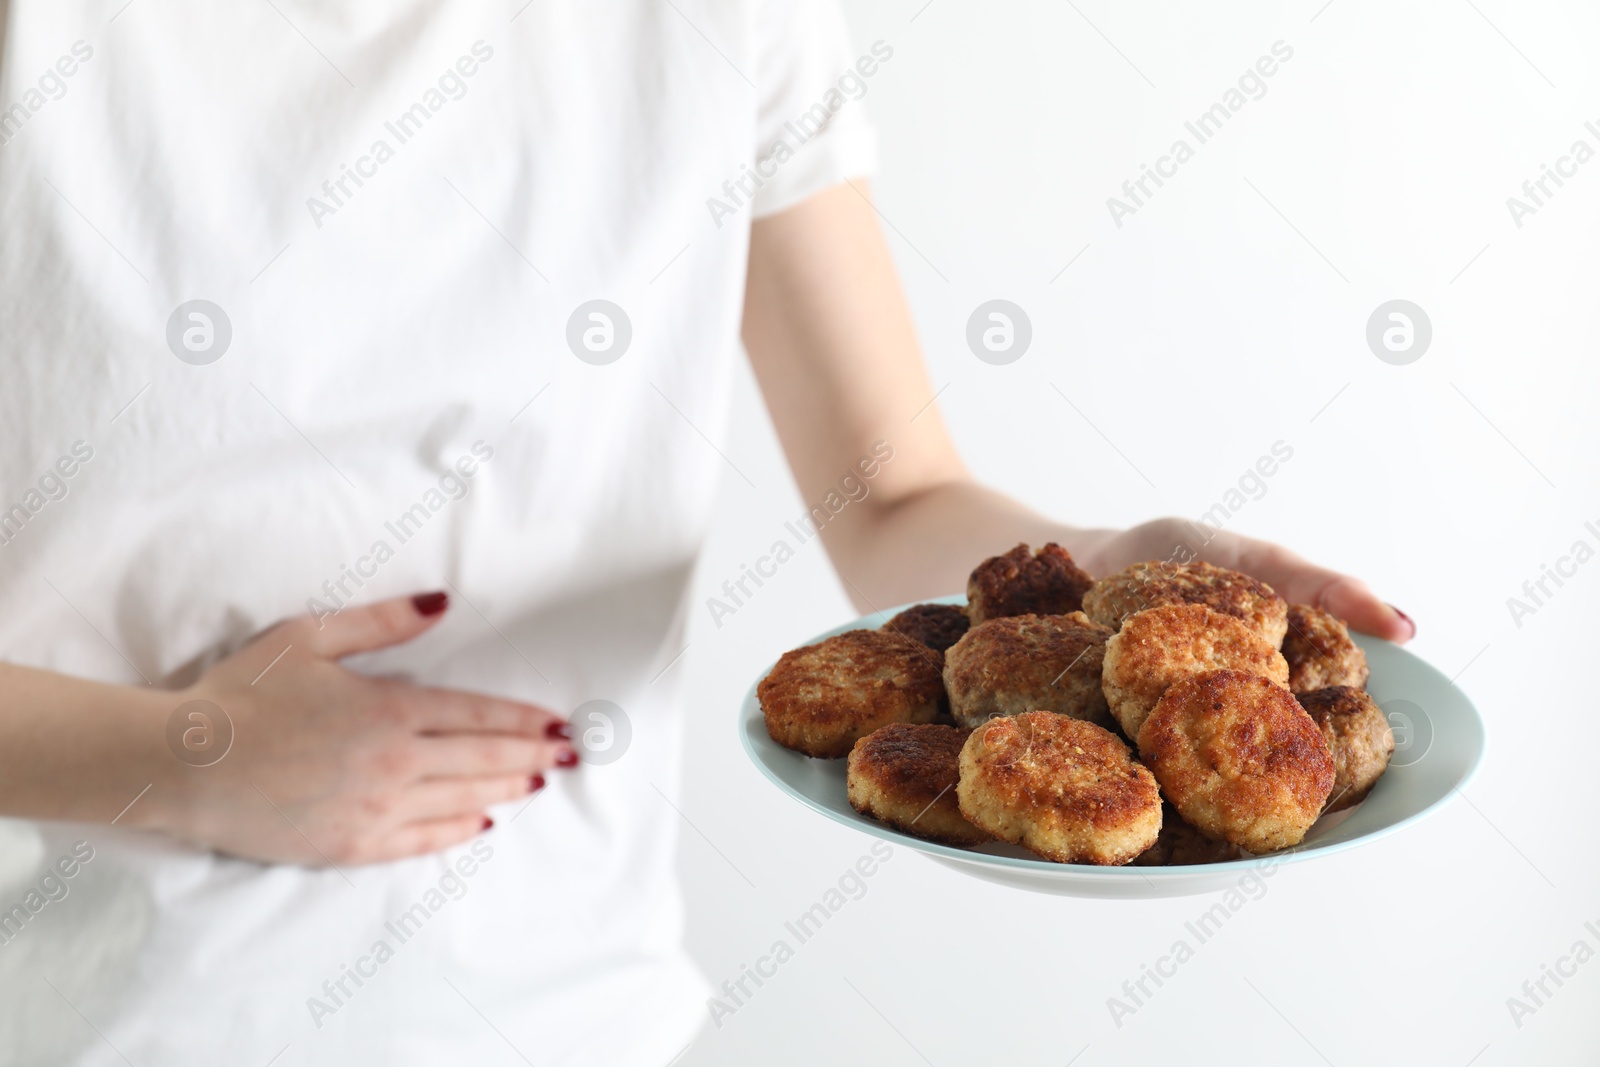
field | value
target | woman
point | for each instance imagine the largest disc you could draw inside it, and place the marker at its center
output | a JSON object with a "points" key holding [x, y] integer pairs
{"points": [[363, 363]]}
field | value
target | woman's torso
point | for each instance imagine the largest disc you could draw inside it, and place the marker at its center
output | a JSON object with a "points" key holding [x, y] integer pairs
{"points": [[511, 169]]}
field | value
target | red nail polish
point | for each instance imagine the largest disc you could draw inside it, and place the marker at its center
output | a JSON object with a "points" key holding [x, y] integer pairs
{"points": [[536, 783], [567, 758], [1404, 616], [558, 731], [488, 823], [430, 603]]}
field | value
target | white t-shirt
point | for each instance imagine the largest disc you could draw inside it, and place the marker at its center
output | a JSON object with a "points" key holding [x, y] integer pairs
{"points": [[397, 213]]}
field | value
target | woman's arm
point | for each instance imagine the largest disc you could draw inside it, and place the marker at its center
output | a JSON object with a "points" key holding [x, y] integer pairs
{"points": [[78, 750], [321, 764], [836, 355]]}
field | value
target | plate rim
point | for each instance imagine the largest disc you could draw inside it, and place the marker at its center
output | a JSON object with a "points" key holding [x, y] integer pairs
{"points": [[1072, 871]]}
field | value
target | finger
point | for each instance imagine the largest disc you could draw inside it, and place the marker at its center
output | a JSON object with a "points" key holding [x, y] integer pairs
{"points": [[478, 756], [427, 836], [1301, 582], [452, 711], [445, 798], [1351, 600], [374, 626]]}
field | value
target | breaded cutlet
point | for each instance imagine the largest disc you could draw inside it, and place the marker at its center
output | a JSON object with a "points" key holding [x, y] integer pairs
{"points": [[1023, 663], [1046, 582], [936, 625], [1358, 737], [1158, 647], [1064, 789], [1320, 652], [1112, 599], [823, 698], [1239, 758], [904, 774]]}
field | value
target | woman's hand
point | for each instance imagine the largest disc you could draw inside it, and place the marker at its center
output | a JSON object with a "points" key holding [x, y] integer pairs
{"points": [[1297, 580], [330, 766]]}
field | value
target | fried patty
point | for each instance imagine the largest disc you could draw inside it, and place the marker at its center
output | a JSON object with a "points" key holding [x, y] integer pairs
{"points": [[1358, 737], [936, 625], [1142, 586], [1320, 652], [905, 774], [1019, 583], [823, 698], [1060, 787], [1028, 663], [1158, 647], [1181, 845], [1239, 759]]}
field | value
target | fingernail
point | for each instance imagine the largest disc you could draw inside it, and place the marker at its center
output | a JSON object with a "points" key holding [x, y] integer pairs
{"points": [[1409, 621], [558, 731], [567, 758], [536, 783], [430, 603], [488, 823]]}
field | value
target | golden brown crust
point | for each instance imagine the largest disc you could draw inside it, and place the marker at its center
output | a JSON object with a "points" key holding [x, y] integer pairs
{"points": [[1060, 787], [1028, 663], [1181, 845], [936, 625], [822, 698], [1358, 737], [1111, 600], [1239, 759], [1019, 583], [1158, 647], [1320, 652], [905, 774]]}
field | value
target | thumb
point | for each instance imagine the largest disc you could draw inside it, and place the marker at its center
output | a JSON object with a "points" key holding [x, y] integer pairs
{"points": [[375, 626], [1301, 582], [1351, 600]]}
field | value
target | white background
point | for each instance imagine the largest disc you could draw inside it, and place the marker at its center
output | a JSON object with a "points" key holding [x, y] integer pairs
{"points": [[1193, 337]]}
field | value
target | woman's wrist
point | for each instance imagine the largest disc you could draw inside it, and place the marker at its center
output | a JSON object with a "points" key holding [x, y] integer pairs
{"points": [[81, 751]]}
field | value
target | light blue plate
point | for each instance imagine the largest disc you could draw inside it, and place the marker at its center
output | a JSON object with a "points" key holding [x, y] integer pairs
{"points": [[1439, 743]]}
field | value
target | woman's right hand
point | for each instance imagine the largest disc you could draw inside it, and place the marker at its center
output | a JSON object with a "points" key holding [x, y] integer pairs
{"points": [[328, 766]]}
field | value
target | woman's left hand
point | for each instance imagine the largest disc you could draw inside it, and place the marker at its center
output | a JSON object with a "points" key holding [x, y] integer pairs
{"points": [[1294, 578]]}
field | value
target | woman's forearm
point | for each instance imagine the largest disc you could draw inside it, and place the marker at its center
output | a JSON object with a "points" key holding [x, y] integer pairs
{"points": [[77, 750], [926, 544]]}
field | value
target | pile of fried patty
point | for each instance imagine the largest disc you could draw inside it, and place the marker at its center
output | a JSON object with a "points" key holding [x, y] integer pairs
{"points": [[1171, 713]]}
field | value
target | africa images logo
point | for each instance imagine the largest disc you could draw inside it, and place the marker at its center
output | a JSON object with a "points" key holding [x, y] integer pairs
{"points": [[1251, 85], [451, 85], [851, 85]]}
